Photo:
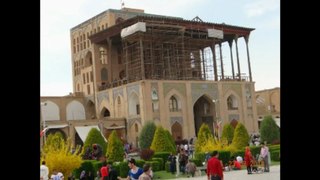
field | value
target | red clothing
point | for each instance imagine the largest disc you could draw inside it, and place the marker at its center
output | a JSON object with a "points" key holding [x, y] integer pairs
{"points": [[214, 167], [248, 158], [104, 171], [237, 165]]}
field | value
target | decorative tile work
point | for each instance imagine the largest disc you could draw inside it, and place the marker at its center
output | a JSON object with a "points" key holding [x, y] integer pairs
{"points": [[180, 87], [199, 89], [234, 87], [234, 116], [132, 121], [133, 88], [117, 92], [103, 96], [176, 119]]}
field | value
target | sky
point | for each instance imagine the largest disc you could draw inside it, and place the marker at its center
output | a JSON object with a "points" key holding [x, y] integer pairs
{"points": [[59, 16]]}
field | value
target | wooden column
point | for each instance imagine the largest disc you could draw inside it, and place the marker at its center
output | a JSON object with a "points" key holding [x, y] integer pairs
{"points": [[213, 48], [221, 61], [142, 60], [109, 59], [246, 38], [232, 66], [238, 62], [203, 64]]}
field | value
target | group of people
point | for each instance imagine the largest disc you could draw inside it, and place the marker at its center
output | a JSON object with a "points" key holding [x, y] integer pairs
{"points": [[215, 166], [137, 173], [44, 173]]}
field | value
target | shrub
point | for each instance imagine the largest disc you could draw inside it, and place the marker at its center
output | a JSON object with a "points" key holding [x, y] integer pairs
{"points": [[59, 156], [163, 155], [269, 130], [203, 135], [255, 150], [146, 135], [171, 140], [115, 149], [146, 154], [96, 166], [116, 167], [167, 166], [238, 153], [200, 156], [155, 165], [161, 162], [94, 137], [140, 162], [275, 155], [123, 169], [228, 132], [87, 165], [197, 162], [161, 142], [241, 137], [224, 156]]}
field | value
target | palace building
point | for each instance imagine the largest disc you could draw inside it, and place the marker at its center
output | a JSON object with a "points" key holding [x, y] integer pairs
{"points": [[130, 67]]}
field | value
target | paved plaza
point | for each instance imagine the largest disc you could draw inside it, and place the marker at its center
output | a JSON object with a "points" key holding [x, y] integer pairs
{"points": [[274, 174]]}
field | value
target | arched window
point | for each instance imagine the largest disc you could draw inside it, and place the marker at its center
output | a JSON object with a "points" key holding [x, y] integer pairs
{"points": [[232, 103], [104, 74], [173, 104], [119, 100], [136, 128]]}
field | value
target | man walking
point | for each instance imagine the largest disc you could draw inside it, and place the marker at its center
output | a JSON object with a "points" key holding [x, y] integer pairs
{"points": [[214, 167], [264, 154]]}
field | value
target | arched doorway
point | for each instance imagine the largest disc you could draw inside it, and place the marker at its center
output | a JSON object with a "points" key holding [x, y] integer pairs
{"points": [[176, 131], [203, 112], [105, 112]]}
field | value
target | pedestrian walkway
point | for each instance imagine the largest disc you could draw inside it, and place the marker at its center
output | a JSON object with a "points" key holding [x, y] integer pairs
{"points": [[274, 174]]}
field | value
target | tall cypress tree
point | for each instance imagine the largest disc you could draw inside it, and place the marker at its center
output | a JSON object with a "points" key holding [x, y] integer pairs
{"points": [[269, 130], [146, 135], [115, 149], [161, 142], [241, 137]]}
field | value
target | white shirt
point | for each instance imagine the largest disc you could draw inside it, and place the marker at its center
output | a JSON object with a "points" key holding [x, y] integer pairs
{"points": [[44, 172], [239, 159]]}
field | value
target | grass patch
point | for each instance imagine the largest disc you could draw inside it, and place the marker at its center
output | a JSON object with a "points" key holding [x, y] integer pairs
{"points": [[168, 175]]}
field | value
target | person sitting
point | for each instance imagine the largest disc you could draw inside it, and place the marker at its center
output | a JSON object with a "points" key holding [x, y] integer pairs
{"points": [[237, 165]]}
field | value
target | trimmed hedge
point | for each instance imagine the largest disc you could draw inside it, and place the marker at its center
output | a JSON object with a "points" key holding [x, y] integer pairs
{"points": [[275, 155], [197, 162], [87, 166], [255, 150], [163, 155], [167, 166], [116, 167], [123, 169], [224, 156], [96, 167], [200, 156], [155, 165], [139, 163], [238, 153], [161, 162]]}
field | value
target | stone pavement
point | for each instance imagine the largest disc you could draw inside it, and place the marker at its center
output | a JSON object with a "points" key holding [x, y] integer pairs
{"points": [[274, 174]]}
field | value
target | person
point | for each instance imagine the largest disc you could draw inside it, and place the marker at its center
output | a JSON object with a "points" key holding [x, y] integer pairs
{"points": [[113, 174], [239, 159], [214, 168], [183, 158], [172, 159], [264, 154], [44, 171], [97, 151], [146, 172], [90, 176], [134, 171], [248, 159], [104, 171], [60, 175], [236, 165], [191, 168], [83, 175]]}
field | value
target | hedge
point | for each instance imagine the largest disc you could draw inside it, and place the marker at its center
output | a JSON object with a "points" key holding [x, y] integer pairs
{"points": [[238, 153], [155, 165], [275, 155], [87, 166], [163, 155], [161, 162], [224, 156], [167, 166], [197, 162], [124, 169], [201, 156]]}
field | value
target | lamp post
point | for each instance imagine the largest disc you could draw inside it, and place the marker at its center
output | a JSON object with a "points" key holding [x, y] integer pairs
{"points": [[43, 121]]}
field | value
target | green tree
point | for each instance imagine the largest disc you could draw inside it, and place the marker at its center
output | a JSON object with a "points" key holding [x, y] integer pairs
{"points": [[241, 137], [204, 135], [58, 155], [171, 140], [227, 133], [115, 149], [146, 135], [269, 130], [94, 137], [161, 142]]}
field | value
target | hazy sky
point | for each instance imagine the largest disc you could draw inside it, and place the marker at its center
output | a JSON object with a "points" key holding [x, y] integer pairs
{"points": [[59, 16]]}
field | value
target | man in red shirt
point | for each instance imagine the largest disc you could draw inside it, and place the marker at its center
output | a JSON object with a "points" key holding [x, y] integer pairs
{"points": [[214, 168]]}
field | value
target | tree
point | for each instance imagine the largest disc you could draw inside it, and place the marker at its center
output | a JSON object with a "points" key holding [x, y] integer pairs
{"points": [[241, 137], [57, 154], [94, 137], [228, 132], [115, 149], [146, 135], [161, 142], [171, 140], [269, 130], [204, 135]]}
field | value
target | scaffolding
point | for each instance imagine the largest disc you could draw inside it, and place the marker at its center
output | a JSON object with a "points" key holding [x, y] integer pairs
{"points": [[168, 52]]}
